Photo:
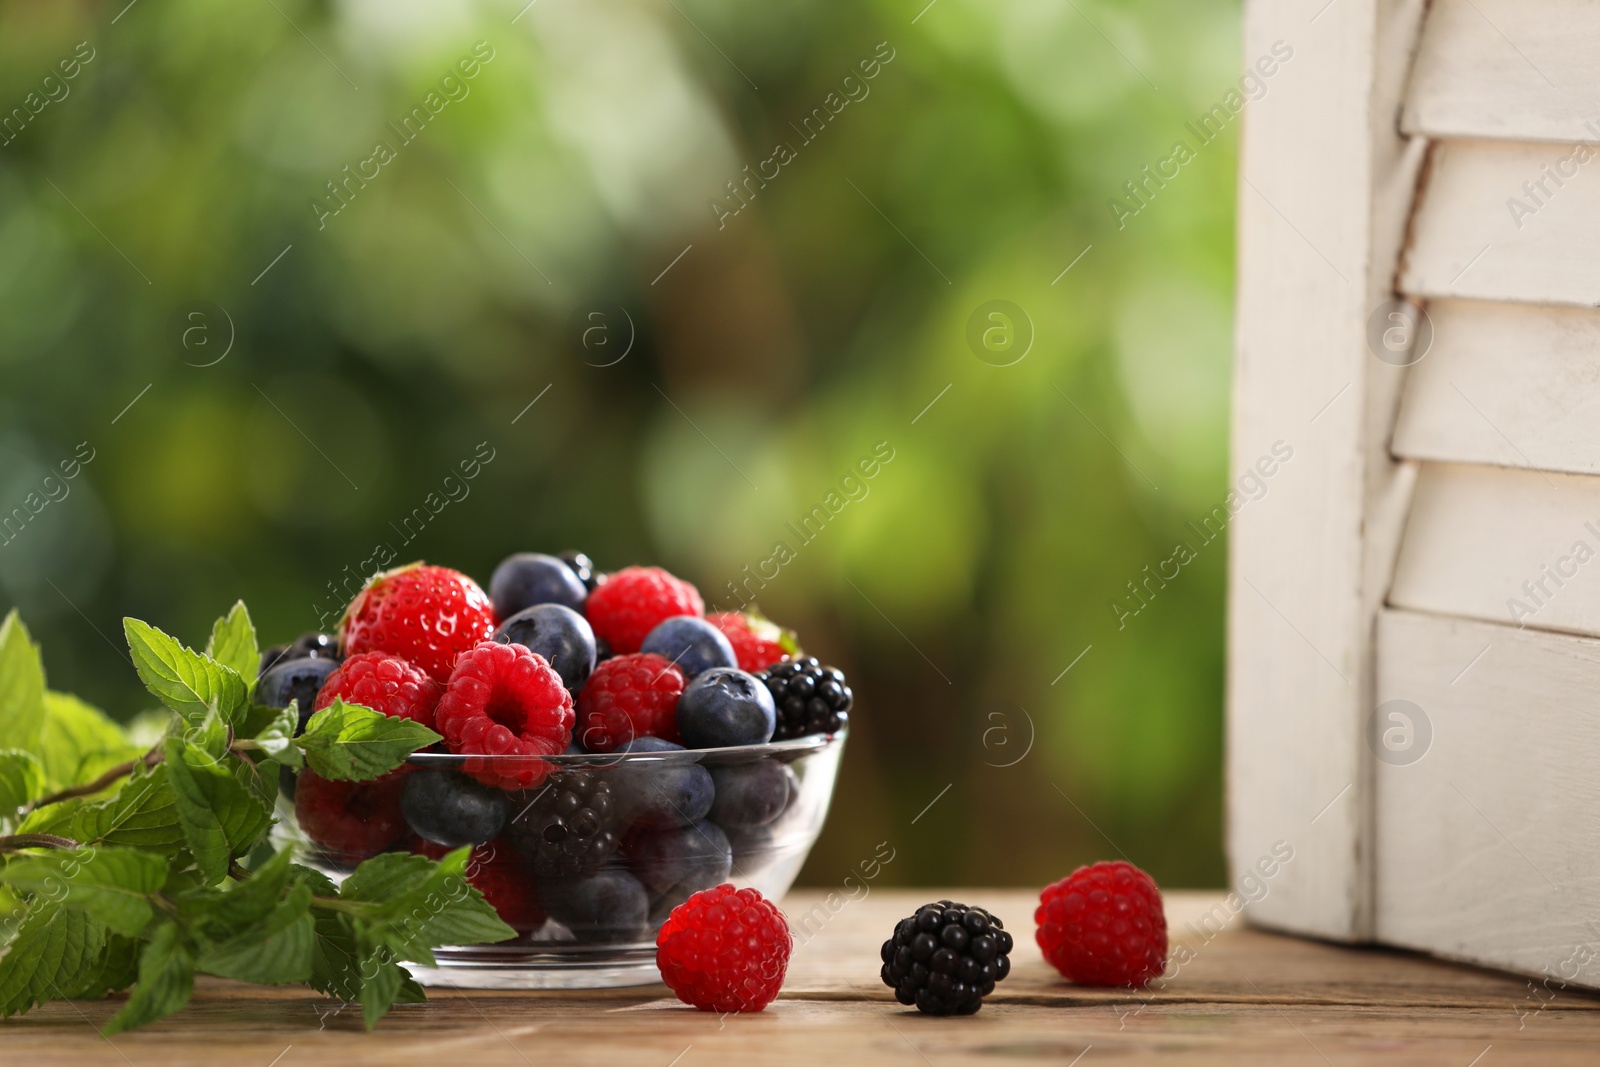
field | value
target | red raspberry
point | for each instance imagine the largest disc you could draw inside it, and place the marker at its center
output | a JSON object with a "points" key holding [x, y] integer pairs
{"points": [[503, 877], [724, 949], [628, 604], [628, 697], [756, 641], [350, 820], [425, 615], [1103, 925], [383, 683], [504, 700]]}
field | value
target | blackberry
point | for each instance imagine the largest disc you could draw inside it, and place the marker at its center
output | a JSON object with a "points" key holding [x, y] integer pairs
{"points": [[583, 567], [946, 958], [810, 697], [571, 827]]}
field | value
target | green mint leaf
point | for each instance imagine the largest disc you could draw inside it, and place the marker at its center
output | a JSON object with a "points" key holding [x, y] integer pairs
{"points": [[182, 679], [117, 968], [219, 913], [335, 964], [166, 980], [142, 814], [149, 728], [233, 643], [382, 982], [274, 951], [419, 905], [21, 779], [335, 956], [21, 686], [112, 884], [55, 951], [276, 737], [79, 743], [224, 805], [351, 743]]}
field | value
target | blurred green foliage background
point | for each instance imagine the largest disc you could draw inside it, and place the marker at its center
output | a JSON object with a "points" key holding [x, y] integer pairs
{"points": [[374, 349]]}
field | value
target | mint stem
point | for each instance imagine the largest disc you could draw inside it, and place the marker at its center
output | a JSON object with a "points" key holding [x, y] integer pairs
{"points": [[19, 841], [121, 770]]}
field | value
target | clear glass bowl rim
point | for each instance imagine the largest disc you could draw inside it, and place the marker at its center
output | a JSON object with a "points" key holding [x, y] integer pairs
{"points": [[789, 750]]}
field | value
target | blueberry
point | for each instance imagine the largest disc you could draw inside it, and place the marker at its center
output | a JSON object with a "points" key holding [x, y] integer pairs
{"points": [[583, 567], [692, 643], [450, 809], [528, 578], [751, 794], [753, 847], [295, 679], [689, 857], [607, 907], [270, 657], [557, 633], [725, 707], [659, 793], [315, 644]]}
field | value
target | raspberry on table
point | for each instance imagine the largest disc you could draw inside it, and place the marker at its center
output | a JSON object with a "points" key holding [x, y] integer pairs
{"points": [[426, 615], [627, 697], [810, 697], [946, 958], [725, 949], [757, 643], [570, 827], [1103, 925], [505, 701], [383, 682], [350, 820], [629, 603]]}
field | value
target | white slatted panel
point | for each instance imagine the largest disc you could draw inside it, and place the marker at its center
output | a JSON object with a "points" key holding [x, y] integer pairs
{"points": [[1486, 846], [1503, 545], [1467, 242], [1507, 69], [1509, 384], [1322, 208]]}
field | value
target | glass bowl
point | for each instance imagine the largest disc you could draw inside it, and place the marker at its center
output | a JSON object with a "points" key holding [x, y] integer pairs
{"points": [[586, 907]]}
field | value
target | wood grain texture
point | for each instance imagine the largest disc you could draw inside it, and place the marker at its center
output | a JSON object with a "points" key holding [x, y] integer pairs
{"points": [[1483, 228], [1326, 186], [1506, 384], [1245, 997], [1486, 846], [1503, 545], [1507, 69]]}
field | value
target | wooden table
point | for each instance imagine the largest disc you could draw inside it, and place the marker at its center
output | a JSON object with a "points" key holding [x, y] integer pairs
{"points": [[1245, 997]]}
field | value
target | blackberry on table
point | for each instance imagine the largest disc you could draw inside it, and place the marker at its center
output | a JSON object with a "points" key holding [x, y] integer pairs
{"points": [[809, 696], [571, 827], [946, 958]]}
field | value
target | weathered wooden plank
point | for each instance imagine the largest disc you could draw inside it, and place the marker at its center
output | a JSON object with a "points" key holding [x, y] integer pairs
{"points": [[1507, 221], [1323, 200], [1485, 836], [1242, 997], [1508, 384], [1507, 69], [1503, 545]]}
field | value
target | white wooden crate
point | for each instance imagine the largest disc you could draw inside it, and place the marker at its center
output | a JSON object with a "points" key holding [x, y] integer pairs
{"points": [[1414, 616]]}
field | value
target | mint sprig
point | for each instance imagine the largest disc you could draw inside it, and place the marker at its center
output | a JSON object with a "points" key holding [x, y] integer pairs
{"points": [[124, 866]]}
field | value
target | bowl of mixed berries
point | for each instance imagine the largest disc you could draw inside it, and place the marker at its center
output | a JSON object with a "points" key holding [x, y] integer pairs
{"points": [[607, 749]]}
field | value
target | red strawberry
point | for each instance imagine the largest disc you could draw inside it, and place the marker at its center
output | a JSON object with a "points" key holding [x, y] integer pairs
{"points": [[757, 641], [425, 615]]}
